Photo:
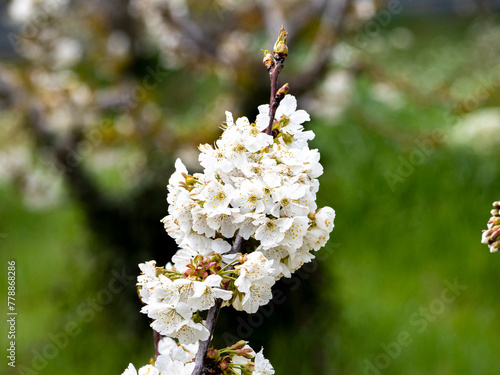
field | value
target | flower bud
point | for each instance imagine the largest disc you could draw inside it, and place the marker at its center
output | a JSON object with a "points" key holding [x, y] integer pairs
{"points": [[239, 345], [280, 47], [282, 91], [224, 365], [198, 259], [247, 353], [214, 354], [189, 272], [217, 258], [268, 59]]}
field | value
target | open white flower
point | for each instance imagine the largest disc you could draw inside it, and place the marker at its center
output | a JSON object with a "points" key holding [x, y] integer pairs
{"points": [[225, 221], [256, 277], [205, 293], [216, 197], [213, 159], [262, 365], [147, 281], [271, 231], [258, 294], [249, 197], [287, 201]]}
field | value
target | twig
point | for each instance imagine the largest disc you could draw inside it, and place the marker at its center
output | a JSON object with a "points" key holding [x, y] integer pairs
{"points": [[156, 338], [274, 64], [275, 100], [212, 316]]}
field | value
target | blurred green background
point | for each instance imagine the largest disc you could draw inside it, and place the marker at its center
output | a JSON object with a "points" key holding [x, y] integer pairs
{"points": [[404, 101]]}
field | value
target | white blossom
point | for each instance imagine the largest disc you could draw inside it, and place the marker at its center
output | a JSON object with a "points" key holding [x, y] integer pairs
{"points": [[262, 365], [253, 185], [272, 231]]}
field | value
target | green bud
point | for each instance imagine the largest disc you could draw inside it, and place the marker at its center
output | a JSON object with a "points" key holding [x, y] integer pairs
{"points": [[282, 91], [216, 258], [280, 47]]}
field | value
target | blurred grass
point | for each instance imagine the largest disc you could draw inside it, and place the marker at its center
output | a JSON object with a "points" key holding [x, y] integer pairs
{"points": [[390, 254]]}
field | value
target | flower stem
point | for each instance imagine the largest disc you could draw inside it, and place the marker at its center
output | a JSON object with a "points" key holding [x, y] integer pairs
{"points": [[274, 73], [156, 338], [212, 316], [274, 64]]}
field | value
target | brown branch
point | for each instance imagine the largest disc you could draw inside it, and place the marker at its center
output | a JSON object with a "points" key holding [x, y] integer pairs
{"points": [[275, 99], [212, 316], [156, 339], [274, 64]]}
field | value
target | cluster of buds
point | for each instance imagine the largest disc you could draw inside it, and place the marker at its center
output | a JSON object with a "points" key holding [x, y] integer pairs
{"points": [[278, 126], [280, 51], [177, 359], [189, 182], [491, 236], [201, 266], [229, 360]]}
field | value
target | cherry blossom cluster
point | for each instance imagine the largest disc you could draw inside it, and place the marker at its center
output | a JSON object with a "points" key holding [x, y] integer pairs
{"points": [[249, 219], [258, 186]]}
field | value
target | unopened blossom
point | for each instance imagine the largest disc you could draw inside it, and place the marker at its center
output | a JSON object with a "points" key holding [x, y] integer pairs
{"points": [[324, 218]]}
